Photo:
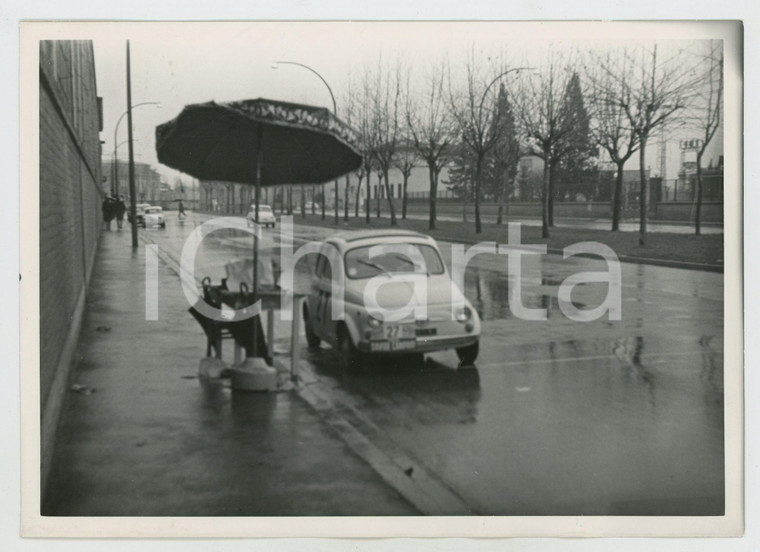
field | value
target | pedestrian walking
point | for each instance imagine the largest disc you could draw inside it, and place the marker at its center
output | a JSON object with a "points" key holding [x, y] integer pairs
{"points": [[109, 211], [121, 208], [181, 215]]}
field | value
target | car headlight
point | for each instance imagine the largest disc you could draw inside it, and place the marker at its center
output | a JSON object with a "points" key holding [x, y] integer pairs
{"points": [[374, 322], [463, 314]]}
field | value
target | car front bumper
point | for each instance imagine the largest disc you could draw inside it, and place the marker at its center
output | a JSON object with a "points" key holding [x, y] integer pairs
{"points": [[422, 344]]}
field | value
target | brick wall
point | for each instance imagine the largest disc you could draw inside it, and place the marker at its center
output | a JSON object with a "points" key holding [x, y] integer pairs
{"points": [[70, 220]]}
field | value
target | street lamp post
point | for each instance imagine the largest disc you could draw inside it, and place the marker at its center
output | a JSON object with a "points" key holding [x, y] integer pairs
{"points": [[115, 187], [335, 111], [115, 168]]}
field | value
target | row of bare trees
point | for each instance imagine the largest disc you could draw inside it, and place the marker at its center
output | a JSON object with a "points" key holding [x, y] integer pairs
{"points": [[567, 108]]}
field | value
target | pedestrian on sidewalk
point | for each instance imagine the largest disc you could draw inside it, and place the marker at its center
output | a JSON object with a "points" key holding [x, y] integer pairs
{"points": [[109, 211], [121, 208], [181, 215]]}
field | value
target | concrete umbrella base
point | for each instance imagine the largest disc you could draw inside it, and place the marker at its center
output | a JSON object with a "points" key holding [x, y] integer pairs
{"points": [[253, 374], [211, 367]]}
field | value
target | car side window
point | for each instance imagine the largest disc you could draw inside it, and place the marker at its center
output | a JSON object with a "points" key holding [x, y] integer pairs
{"points": [[323, 269]]}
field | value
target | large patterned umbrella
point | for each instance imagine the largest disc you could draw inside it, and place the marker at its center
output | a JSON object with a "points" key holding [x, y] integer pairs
{"points": [[258, 142]]}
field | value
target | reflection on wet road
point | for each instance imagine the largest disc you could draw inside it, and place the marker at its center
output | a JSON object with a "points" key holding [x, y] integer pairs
{"points": [[559, 417]]}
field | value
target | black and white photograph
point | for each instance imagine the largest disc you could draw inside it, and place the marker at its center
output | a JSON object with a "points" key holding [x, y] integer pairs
{"points": [[471, 278]]}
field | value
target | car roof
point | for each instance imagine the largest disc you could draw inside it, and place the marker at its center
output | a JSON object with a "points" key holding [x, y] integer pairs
{"points": [[343, 239]]}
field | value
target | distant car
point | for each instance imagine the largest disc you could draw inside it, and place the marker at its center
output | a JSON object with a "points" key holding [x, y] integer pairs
{"points": [[153, 216], [450, 321], [311, 205], [139, 209], [266, 216]]}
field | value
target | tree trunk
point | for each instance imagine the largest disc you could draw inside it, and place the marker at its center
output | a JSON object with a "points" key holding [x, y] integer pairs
{"points": [[390, 198], [369, 196], [698, 214], [500, 200], [552, 192], [336, 193], [433, 195], [378, 194], [643, 193], [617, 193], [403, 196], [324, 201], [476, 194], [545, 210], [345, 202], [358, 197]]}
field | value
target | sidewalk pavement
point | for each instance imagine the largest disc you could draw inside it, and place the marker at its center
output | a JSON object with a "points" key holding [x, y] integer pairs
{"points": [[142, 435]]}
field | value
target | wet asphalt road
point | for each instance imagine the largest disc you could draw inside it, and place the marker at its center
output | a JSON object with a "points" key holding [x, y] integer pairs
{"points": [[557, 417]]}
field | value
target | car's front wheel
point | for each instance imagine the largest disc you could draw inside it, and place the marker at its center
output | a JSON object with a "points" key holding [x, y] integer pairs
{"points": [[467, 355], [351, 356]]}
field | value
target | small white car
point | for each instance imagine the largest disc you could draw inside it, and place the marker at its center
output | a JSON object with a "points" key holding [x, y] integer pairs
{"points": [[139, 209], [266, 216], [383, 266], [153, 216]]}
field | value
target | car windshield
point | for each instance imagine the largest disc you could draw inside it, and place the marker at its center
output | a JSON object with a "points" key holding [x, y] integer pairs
{"points": [[392, 258], [152, 210]]}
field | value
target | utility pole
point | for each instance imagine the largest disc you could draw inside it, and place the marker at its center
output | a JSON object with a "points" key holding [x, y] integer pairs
{"points": [[132, 198]]}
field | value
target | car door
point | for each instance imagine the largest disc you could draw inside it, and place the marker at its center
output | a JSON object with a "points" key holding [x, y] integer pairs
{"points": [[320, 307]]}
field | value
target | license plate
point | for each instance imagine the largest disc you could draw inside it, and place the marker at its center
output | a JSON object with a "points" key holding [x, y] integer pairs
{"points": [[397, 332], [388, 346]]}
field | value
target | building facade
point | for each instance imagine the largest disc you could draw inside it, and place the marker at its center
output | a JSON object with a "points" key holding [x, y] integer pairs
{"points": [[70, 120]]}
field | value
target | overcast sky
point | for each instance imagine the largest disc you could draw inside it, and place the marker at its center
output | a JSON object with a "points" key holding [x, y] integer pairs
{"points": [[180, 64]]}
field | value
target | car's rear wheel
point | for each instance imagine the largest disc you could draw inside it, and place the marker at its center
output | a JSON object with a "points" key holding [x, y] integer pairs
{"points": [[467, 355], [311, 338]]}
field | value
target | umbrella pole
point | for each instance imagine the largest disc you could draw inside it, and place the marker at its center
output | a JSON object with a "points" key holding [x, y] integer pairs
{"points": [[256, 243]]}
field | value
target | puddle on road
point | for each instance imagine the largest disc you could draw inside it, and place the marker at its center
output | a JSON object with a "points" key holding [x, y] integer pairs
{"points": [[489, 292]]}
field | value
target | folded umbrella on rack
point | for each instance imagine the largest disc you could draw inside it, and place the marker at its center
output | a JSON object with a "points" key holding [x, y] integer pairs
{"points": [[240, 327]]}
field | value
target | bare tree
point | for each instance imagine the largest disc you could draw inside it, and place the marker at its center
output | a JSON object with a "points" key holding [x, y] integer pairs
{"points": [[364, 117], [432, 130], [545, 121], [706, 112], [477, 121], [652, 90], [406, 159], [386, 127], [610, 126]]}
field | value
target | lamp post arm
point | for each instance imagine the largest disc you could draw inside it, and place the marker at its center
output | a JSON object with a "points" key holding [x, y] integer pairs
{"points": [[332, 96], [494, 81], [116, 129]]}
